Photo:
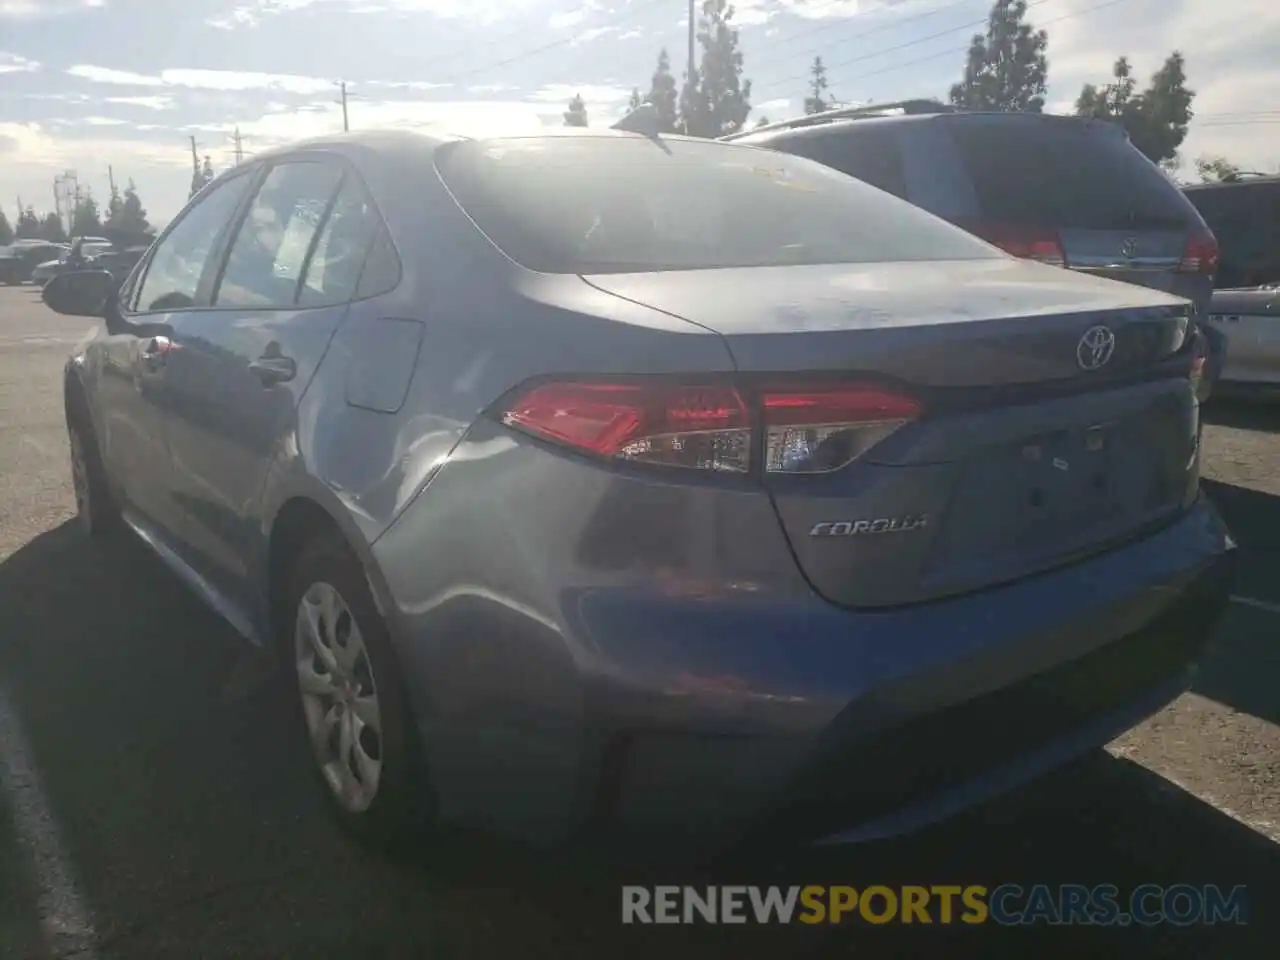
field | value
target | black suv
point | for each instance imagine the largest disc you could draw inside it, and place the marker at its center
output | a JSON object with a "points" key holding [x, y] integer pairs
{"points": [[1245, 217], [1068, 191], [1065, 190]]}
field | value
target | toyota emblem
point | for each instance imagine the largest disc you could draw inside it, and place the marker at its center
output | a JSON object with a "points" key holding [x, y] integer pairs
{"points": [[1095, 348], [1129, 248]]}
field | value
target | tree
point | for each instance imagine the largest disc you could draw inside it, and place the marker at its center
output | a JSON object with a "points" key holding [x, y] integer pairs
{"points": [[1217, 170], [6, 230], [816, 102], [85, 221], [28, 225], [762, 122], [716, 99], [51, 229], [635, 101], [128, 226], [1156, 119], [576, 115], [114, 203], [1007, 68], [662, 94]]}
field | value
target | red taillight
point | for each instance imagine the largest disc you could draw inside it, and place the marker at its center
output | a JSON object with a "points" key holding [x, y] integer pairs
{"points": [[815, 431], [1025, 242], [709, 427], [705, 427], [1201, 255]]}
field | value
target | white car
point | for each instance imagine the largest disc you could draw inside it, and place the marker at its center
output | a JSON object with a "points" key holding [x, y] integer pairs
{"points": [[1250, 321]]}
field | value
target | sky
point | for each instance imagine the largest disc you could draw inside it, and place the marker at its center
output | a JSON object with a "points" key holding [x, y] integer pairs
{"points": [[87, 85]]}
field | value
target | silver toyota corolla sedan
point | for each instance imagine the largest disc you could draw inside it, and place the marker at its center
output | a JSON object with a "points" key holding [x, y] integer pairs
{"points": [[597, 485]]}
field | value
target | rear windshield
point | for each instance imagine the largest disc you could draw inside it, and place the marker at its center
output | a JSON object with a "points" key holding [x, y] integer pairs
{"points": [[631, 204], [1066, 175]]}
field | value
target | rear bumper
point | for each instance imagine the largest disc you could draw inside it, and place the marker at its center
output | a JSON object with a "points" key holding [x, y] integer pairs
{"points": [[628, 713]]}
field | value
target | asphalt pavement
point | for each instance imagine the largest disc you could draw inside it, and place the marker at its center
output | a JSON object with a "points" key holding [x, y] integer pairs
{"points": [[153, 804]]}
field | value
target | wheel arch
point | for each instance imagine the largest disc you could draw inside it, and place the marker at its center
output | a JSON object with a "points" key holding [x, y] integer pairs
{"points": [[299, 517]]}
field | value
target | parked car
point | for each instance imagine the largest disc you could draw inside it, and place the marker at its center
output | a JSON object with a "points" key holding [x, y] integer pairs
{"points": [[82, 252], [1245, 217], [676, 506], [19, 261], [119, 262], [1065, 191], [1249, 319], [46, 271]]}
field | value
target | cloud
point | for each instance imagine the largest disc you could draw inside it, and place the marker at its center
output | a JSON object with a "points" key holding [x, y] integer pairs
{"points": [[253, 12], [564, 92], [12, 63], [773, 106], [150, 103], [229, 80], [34, 9], [107, 75]]}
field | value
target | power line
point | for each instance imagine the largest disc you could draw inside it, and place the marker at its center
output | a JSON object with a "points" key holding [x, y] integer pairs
{"points": [[953, 50], [892, 25], [544, 48], [915, 43]]}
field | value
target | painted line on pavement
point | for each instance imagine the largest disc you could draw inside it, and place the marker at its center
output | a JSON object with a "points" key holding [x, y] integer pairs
{"points": [[1267, 605], [65, 924]]}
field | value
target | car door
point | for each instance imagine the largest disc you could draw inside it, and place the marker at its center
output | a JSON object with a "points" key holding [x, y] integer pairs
{"points": [[241, 368], [132, 393]]}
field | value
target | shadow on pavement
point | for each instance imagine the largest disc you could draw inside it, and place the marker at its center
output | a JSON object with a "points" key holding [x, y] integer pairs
{"points": [[190, 816], [1243, 412]]}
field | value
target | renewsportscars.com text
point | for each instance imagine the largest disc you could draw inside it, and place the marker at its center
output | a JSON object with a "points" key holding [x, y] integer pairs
{"points": [[1006, 905]]}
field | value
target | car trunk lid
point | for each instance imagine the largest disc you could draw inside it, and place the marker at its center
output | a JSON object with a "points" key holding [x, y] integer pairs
{"points": [[1030, 447]]}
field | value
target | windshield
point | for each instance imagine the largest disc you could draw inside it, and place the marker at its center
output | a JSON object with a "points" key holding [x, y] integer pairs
{"points": [[630, 204]]}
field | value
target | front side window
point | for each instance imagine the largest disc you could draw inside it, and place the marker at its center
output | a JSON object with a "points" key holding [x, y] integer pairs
{"points": [[173, 275], [267, 258]]}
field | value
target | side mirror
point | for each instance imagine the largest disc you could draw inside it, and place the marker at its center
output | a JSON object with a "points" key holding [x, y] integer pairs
{"points": [[85, 293]]}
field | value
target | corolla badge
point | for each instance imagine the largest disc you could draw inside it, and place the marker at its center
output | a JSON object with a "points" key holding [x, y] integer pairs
{"points": [[1095, 348], [859, 528]]}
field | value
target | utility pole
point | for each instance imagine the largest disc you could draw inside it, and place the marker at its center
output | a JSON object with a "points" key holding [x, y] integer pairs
{"points": [[239, 146], [693, 34], [342, 84]]}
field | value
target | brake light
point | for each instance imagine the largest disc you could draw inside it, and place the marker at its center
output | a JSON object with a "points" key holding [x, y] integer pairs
{"points": [[816, 431], [1201, 255], [1024, 242], [703, 427], [709, 427]]}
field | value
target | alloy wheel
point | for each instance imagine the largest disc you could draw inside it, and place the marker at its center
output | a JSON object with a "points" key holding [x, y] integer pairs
{"points": [[339, 697]]}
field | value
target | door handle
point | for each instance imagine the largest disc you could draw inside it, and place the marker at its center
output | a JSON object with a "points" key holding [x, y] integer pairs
{"points": [[274, 369]]}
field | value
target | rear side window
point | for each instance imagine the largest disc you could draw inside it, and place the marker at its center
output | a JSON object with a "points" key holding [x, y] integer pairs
{"points": [[1065, 175], [381, 268], [266, 261], [1246, 221], [872, 155], [340, 249], [631, 204]]}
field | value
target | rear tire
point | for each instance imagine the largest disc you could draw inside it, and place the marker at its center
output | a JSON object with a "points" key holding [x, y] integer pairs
{"points": [[96, 508], [356, 721]]}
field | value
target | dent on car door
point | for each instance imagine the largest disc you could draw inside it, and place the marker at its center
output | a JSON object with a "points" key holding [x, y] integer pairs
{"points": [[133, 392], [241, 368]]}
